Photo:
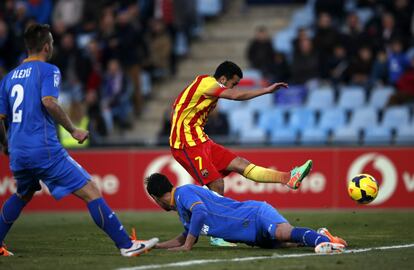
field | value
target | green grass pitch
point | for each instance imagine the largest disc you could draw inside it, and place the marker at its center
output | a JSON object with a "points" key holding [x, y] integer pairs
{"points": [[72, 241]]}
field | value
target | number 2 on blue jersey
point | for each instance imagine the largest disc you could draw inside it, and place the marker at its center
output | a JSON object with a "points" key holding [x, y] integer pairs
{"points": [[17, 91]]}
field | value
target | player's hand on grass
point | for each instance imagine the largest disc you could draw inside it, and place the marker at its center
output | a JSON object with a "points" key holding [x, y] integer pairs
{"points": [[80, 135], [276, 86]]}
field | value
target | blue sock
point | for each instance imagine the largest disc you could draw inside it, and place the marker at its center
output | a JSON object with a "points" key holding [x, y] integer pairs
{"points": [[308, 237], [9, 213], [106, 219]]}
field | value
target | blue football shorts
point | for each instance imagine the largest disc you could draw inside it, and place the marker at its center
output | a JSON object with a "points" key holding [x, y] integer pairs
{"points": [[62, 178], [267, 220]]}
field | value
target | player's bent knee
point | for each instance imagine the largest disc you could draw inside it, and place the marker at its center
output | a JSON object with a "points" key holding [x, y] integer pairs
{"points": [[88, 192], [238, 165], [283, 231], [217, 186]]}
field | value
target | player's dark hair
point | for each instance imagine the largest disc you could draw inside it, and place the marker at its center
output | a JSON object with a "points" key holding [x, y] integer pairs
{"points": [[36, 36], [228, 69], [158, 184]]}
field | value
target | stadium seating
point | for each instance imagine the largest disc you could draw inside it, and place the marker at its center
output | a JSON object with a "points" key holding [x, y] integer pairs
{"points": [[377, 135], [262, 103], [331, 119], [345, 135], [364, 118], [252, 135], [405, 135], [283, 135], [209, 7], [302, 118], [351, 97], [227, 105], [269, 120], [320, 99], [282, 41], [294, 96], [396, 116], [314, 136], [379, 97], [240, 119], [304, 17]]}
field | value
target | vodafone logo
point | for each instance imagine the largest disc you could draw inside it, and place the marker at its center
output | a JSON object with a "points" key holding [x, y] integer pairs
{"points": [[388, 174], [167, 165]]}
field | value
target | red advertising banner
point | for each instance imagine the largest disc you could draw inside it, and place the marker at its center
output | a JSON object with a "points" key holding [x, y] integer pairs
{"points": [[120, 175]]}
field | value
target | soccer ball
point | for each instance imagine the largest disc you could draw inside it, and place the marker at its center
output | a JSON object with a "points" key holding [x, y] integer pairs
{"points": [[363, 188]]}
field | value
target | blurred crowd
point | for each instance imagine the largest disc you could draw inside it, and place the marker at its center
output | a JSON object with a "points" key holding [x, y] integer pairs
{"points": [[356, 42], [109, 52]]}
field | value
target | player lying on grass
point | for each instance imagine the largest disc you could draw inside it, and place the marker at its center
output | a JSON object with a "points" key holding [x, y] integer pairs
{"points": [[204, 212]]}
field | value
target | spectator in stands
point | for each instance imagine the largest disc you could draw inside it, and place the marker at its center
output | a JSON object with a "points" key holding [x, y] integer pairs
{"points": [[185, 20], [116, 93], [279, 70], [92, 93], [260, 50], [8, 47], [160, 49], [66, 57], [326, 37], [352, 34], [359, 70], [20, 20], [217, 124], [132, 51], [405, 87], [164, 133], [40, 10], [334, 8], [389, 30], [379, 72], [338, 64], [403, 12], [68, 12], [305, 63], [302, 34], [80, 119], [397, 61]]}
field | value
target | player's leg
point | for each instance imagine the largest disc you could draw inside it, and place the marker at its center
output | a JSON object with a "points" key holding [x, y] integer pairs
{"points": [[260, 174], [277, 228], [198, 163], [103, 215], [217, 186], [13, 206], [68, 177], [225, 160]]}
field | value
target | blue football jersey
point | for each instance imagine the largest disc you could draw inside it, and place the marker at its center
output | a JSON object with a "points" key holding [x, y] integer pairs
{"points": [[33, 142], [227, 218]]}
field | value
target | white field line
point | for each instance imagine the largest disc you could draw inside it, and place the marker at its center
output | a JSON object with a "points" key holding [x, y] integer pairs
{"points": [[274, 256]]}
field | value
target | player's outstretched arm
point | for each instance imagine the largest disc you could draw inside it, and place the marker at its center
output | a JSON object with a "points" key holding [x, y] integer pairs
{"points": [[188, 245], [198, 217], [237, 94], [3, 138], [175, 242], [54, 109]]}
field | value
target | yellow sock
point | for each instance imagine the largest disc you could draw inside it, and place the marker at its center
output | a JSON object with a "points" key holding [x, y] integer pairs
{"points": [[265, 175]]}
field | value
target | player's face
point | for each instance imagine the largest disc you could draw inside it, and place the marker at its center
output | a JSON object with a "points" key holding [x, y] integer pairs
{"points": [[232, 82], [162, 204]]}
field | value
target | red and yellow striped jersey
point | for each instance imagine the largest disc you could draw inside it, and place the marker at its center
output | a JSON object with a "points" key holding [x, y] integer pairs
{"points": [[190, 111]]}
